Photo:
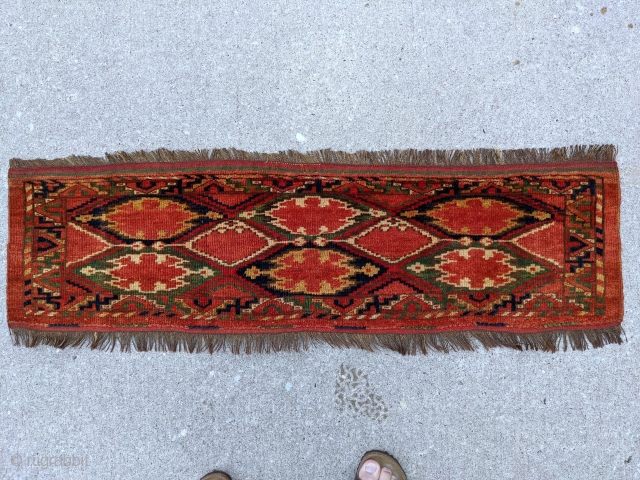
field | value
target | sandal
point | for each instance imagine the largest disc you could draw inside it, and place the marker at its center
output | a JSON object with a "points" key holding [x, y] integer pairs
{"points": [[216, 475], [385, 460]]}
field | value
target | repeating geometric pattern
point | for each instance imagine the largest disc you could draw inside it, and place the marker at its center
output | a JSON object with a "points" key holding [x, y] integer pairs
{"points": [[248, 250]]}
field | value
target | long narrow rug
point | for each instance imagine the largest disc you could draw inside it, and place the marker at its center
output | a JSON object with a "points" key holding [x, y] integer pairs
{"points": [[407, 250]]}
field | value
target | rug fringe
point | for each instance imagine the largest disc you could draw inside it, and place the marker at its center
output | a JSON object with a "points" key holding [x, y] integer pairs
{"points": [[409, 344], [478, 156]]}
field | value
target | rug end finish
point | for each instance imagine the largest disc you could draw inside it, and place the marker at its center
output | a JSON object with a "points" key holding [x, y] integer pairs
{"points": [[478, 156], [551, 341]]}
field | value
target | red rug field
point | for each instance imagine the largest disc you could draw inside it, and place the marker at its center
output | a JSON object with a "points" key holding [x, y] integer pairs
{"points": [[408, 250]]}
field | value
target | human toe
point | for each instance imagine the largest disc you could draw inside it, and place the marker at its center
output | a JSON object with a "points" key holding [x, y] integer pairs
{"points": [[385, 474], [370, 470]]}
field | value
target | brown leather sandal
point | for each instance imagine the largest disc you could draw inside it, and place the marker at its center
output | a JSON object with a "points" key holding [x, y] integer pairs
{"points": [[216, 475], [385, 460]]}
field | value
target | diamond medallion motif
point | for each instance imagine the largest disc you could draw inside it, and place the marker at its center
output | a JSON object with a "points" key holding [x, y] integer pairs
{"points": [[312, 271], [147, 218], [146, 271], [313, 215], [476, 268], [476, 216]]}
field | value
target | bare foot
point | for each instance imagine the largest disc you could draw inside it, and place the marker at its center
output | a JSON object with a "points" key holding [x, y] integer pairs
{"points": [[370, 470]]}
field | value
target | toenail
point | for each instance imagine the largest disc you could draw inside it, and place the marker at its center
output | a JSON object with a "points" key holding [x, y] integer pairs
{"points": [[370, 468], [386, 470]]}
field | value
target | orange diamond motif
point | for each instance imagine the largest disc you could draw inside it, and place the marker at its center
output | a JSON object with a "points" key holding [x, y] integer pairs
{"points": [[230, 243], [393, 240]]}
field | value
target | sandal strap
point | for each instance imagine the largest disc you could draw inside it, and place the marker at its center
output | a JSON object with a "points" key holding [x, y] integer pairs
{"points": [[216, 475]]}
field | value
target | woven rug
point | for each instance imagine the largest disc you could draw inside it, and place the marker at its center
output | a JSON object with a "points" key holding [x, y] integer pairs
{"points": [[408, 250]]}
